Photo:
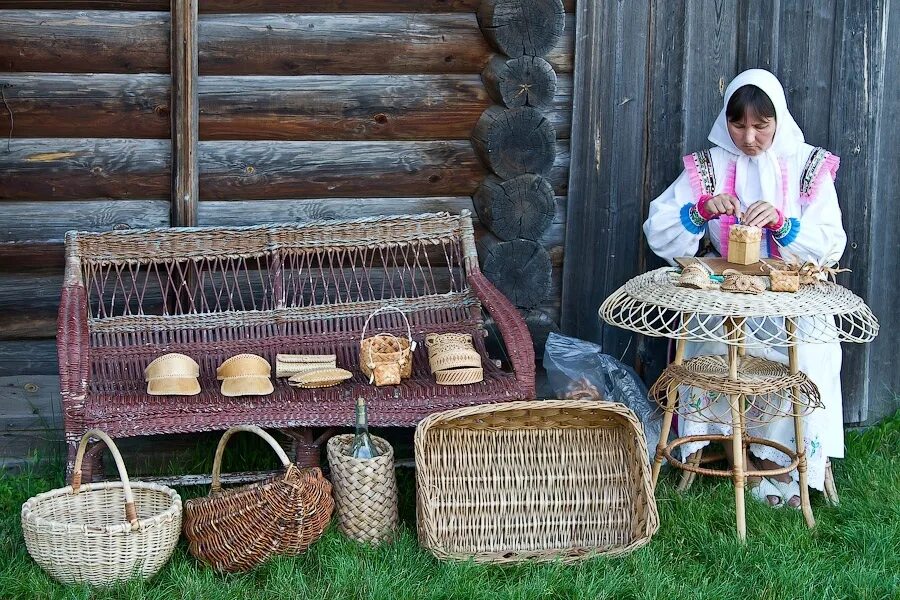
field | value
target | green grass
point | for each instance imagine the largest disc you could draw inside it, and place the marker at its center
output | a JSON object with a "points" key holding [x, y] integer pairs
{"points": [[853, 553]]}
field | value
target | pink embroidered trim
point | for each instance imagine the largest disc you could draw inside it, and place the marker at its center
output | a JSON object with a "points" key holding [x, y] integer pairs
{"points": [[725, 223], [701, 207], [693, 175], [782, 163], [730, 176], [830, 165]]}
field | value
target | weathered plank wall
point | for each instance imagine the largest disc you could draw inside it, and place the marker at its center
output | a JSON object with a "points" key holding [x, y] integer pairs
{"points": [[651, 78], [353, 108]]}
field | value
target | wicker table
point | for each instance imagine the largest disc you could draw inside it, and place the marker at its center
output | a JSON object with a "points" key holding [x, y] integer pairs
{"points": [[756, 389]]}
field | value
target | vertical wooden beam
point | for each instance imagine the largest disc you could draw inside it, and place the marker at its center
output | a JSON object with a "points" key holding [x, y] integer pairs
{"points": [[603, 225], [185, 113]]}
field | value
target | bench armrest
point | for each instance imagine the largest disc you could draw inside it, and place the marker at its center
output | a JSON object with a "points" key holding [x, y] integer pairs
{"points": [[72, 348], [512, 327]]}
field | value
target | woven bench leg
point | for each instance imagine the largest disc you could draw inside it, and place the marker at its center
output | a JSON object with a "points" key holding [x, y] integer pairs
{"points": [[307, 450], [91, 465]]}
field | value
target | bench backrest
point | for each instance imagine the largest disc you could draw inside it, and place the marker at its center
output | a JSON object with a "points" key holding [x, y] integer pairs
{"points": [[246, 278]]}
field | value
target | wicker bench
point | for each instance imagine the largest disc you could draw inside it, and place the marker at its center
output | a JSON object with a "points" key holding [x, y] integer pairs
{"points": [[130, 296]]}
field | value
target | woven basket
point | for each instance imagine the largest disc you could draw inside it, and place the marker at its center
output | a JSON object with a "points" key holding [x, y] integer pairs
{"points": [[535, 480], [365, 490], [102, 533], [386, 348], [239, 528]]}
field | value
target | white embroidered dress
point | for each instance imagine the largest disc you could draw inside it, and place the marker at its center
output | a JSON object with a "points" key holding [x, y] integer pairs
{"points": [[798, 179]]}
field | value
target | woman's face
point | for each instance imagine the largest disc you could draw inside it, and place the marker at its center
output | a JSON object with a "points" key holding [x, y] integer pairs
{"points": [[752, 134]]}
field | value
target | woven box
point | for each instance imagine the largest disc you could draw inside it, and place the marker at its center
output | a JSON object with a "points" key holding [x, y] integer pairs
{"points": [[784, 281], [743, 244], [365, 490], [534, 480]]}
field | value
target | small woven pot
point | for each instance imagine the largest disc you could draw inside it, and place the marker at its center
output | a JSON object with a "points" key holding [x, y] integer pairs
{"points": [[365, 490], [386, 348], [784, 281]]}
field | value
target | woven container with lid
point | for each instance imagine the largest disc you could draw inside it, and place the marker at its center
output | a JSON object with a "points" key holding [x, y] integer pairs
{"points": [[365, 490]]}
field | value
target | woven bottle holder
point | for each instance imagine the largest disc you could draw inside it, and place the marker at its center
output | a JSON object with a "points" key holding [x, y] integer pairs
{"points": [[385, 348], [365, 490]]}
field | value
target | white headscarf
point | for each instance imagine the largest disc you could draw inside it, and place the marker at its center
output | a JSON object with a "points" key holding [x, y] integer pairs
{"points": [[765, 166]]}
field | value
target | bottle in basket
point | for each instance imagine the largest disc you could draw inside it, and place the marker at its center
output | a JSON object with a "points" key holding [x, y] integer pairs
{"points": [[362, 446]]}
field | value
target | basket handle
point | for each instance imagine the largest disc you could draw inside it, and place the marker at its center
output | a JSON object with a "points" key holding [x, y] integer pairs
{"points": [[130, 510], [216, 485], [412, 344]]}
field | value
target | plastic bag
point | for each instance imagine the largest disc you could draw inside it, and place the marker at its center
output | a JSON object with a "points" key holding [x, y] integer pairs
{"points": [[579, 369]]}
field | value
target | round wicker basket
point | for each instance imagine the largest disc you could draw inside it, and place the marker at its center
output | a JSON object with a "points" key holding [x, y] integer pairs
{"points": [[102, 533]]}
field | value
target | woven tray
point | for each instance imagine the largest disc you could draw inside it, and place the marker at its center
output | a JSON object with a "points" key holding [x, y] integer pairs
{"points": [[535, 480]]}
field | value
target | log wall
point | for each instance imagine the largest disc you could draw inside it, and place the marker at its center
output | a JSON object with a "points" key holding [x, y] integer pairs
{"points": [[353, 108]]}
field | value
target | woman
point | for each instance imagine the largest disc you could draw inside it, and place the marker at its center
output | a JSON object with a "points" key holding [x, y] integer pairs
{"points": [[761, 172]]}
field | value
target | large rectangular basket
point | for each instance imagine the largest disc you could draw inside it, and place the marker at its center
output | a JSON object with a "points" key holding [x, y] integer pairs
{"points": [[533, 480]]}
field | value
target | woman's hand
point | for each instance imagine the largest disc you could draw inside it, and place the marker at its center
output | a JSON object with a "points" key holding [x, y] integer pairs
{"points": [[723, 204], [762, 214]]}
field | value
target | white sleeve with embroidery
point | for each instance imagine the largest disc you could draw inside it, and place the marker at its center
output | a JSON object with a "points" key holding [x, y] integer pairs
{"points": [[668, 228], [821, 233]]}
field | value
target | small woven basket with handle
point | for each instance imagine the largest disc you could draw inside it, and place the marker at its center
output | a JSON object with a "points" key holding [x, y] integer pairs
{"points": [[386, 348], [102, 533], [239, 528]]}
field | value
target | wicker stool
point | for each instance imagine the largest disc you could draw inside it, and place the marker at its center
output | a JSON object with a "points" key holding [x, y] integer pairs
{"points": [[365, 490]]}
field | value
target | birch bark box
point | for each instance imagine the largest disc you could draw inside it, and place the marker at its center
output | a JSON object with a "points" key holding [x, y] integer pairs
{"points": [[743, 244]]}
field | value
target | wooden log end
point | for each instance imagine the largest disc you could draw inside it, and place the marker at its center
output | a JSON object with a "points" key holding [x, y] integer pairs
{"points": [[515, 141], [522, 81], [521, 207], [517, 27], [520, 269]]}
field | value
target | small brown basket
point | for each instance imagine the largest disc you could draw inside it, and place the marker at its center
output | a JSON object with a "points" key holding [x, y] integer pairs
{"points": [[365, 490], [536, 480], [102, 533], [237, 529], [386, 349]]}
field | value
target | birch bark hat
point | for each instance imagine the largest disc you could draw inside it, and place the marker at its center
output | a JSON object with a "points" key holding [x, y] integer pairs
{"points": [[172, 375], [245, 375]]}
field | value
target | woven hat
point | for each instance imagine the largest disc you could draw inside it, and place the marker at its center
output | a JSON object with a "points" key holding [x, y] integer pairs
{"points": [[245, 375], [172, 375]]}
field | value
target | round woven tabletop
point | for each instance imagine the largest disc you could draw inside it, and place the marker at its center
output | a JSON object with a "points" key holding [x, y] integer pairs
{"points": [[823, 313]]}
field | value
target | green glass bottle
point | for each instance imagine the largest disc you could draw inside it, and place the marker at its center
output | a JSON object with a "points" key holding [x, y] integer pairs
{"points": [[362, 446]]}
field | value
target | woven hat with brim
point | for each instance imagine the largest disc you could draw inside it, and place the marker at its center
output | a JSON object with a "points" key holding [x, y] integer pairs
{"points": [[172, 375], [245, 375]]}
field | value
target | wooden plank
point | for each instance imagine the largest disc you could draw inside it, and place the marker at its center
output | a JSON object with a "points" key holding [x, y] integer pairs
{"points": [[49, 221], [185, 114], [805, 64], [603, 232], [883, 242], [93, 105], [84, 41], [710, 43], [253, 44], [27, 256], [29, 403], [250, 6], [326, 107], [29, 303], [851, 132], [75, 169], [19, 449], [32, 357], [758, 34]]}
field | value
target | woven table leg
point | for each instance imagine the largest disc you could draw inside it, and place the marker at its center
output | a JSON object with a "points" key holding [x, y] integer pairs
{"points": [[671, 401], [798, 432], [831, 493]]}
